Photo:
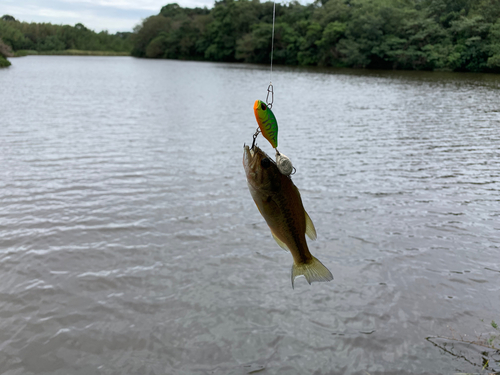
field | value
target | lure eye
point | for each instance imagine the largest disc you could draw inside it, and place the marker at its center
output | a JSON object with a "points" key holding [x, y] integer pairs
{"points": [[265, 163], [263, 106]]}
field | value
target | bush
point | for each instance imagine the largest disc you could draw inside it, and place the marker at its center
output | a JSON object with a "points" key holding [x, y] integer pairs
{"points": [[4, 62]]}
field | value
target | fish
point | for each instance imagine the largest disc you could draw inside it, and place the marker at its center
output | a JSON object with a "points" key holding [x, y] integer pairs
{"points": [[267, 122], [279, 202]]}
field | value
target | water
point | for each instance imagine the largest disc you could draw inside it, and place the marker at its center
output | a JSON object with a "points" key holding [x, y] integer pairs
{"points": [[129, 243]]}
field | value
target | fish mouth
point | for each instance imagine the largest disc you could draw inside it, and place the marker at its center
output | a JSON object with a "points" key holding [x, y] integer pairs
{"points": [[247, 153], [248, 156], [253, 156]]}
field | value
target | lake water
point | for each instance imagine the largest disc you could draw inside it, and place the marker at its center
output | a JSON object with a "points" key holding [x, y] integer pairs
{"points": [[130, 244]]}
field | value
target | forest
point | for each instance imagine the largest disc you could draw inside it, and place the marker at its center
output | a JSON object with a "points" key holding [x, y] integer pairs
{"points": [[455, 35], [19, 38]]}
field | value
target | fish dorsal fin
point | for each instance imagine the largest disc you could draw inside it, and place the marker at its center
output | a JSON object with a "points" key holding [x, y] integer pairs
{"points": [[279, 242], [310, 230]]}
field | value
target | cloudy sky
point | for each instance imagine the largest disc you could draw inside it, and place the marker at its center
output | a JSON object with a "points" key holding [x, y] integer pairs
{"points": [[98, 15]]}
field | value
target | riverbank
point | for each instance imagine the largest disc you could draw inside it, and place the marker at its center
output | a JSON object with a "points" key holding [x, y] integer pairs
{"points": [[70, 52]]}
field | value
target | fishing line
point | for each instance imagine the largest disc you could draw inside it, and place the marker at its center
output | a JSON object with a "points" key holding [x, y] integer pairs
{"points": [[282, 161], [270, 88], [268, 125]]}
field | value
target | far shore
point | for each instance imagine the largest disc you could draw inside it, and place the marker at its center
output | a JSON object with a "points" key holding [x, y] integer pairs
{"points": [[70, 52]]}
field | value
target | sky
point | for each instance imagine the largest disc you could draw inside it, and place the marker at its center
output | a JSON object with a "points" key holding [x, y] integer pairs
{"points": [[97, 15]]}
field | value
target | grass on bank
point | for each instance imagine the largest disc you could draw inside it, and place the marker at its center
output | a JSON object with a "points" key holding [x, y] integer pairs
{"points": [[70, 52]]}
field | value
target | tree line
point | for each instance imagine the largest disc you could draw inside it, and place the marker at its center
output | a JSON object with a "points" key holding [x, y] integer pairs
{"points": [[43, 37], [458, 35]]}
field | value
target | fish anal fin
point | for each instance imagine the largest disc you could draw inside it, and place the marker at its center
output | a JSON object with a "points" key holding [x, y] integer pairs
{"points": [[279, 242], [312, 271], [310, 230]]}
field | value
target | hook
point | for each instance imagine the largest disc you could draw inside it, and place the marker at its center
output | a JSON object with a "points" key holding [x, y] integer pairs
{"points": [[257, 132]]}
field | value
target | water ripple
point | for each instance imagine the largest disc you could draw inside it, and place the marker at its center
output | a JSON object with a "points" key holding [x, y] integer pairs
{"points": [[129, 242]]}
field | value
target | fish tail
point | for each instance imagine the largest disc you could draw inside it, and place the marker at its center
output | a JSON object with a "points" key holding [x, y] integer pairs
{"points": [[312, 271]]}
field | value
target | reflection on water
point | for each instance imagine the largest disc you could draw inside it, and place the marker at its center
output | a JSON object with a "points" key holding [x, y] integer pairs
{"points": [[129, 242]]}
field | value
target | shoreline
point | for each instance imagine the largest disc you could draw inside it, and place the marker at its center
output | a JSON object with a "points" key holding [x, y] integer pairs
{"points": [[69, 52]]}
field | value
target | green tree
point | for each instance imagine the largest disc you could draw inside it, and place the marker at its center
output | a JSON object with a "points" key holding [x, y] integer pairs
{"points": [[48, 37], [470, 46], [7, 17], [12, 36], [328, 54], [458, 35], [50, 43], [151, 28]]}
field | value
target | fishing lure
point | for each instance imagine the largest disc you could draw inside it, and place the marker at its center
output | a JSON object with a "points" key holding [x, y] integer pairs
{"points": [[267, 122]]}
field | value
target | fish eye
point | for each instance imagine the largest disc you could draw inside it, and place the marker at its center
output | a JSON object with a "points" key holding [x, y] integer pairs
{"points": [[263, 106], [265, 163]]}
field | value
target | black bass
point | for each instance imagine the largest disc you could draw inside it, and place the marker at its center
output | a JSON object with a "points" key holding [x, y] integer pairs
{"points": [[279, 202]]}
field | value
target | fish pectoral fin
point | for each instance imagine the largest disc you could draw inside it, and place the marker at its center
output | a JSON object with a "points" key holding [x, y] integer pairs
{"points": [[310, 230], [312, 271], [279, 242]]}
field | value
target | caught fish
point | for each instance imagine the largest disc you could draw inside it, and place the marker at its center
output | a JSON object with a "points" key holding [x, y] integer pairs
{"points": [[267, 122], [279, 202]]}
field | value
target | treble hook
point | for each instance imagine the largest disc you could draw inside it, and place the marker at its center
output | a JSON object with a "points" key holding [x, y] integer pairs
{"points": [[257, 132], [270, 90]]}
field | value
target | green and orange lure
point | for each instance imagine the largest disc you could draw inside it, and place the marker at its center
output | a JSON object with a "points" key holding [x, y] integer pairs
{"points": [[267, 122]]}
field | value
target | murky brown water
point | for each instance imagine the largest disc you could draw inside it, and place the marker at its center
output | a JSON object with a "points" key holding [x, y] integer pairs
{"points": [[129, 243]]}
